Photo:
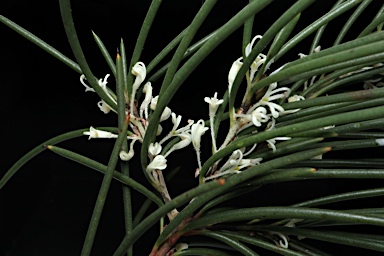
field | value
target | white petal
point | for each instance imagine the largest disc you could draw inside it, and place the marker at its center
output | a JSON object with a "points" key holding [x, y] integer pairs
{"points": [[236, 65], [154, 149], [158, 163]]}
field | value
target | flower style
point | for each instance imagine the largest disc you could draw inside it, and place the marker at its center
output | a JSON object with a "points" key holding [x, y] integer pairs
{"points": [[213, 104], [158, 163], [94, 133]]}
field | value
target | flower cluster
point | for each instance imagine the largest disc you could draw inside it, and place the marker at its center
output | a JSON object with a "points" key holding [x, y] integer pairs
{"points": [[139, 117], [261, 114]]}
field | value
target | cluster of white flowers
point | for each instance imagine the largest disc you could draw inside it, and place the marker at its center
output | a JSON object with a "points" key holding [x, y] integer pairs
{"points": [[189, 134], [261, 114]]}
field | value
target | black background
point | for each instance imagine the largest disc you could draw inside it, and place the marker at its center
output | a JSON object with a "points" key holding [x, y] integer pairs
{"points": [[46, 206]]}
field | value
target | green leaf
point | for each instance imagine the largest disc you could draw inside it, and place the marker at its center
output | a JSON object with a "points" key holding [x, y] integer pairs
{"points": [[102, 168], [43, 45], [280, 212], [65, 8], [138, 231], [105, 53]]}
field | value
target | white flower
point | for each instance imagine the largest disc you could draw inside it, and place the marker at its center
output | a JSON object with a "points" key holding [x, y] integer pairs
{"points": [[158, 163], [302, 55], [104, 107], [159, 130], [176, 122], [154, 149], [184, 142], [233, 160], [213, 104], [260, 59], [94, 133], [317, 49], [87, 88], [272, 142], [249, 47], [236, 162], [126, 156], [269, 96], [103, 83], [147, 100], [176, 132], [236, 65], [295, 98], [139, 70], [154, 102], [197, 130], [259, 115], [166, 114]]}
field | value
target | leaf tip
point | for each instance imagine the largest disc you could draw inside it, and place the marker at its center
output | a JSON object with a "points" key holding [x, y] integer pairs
{"points": [[48, 147]]}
